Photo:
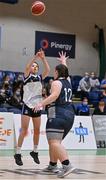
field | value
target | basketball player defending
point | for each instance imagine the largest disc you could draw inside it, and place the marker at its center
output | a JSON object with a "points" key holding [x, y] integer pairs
{"points": [[60, 117], [32, 94]]}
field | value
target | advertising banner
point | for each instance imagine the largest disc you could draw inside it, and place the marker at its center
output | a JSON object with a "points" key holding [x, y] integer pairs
{"points": [[81, 135], [6, 131], [28, 141], [100, 127], [53, 43]]}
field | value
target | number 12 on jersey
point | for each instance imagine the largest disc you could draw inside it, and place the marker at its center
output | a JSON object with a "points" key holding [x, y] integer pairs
{"points": [[68, 94]]}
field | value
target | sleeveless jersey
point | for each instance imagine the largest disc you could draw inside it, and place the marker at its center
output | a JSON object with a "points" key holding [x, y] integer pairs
{"points": [[32, 90], [63, 102], [65, 96]]}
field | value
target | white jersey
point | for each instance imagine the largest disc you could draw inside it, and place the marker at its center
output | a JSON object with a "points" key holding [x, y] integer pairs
{"points": [[32, 90]]}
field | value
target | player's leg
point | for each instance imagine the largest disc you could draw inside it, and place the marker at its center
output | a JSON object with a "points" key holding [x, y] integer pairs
{"points": [[52, 155], [52, 167], [67, 168], [24, 129], [62, 155], [36, 125], [52, 130]]}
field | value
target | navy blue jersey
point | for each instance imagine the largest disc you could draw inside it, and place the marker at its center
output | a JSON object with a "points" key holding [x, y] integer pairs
{"points": [[62, 107], [65, 96]]}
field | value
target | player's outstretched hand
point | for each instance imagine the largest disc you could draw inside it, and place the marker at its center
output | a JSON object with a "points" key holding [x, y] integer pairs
{"points": [[62, 57]]}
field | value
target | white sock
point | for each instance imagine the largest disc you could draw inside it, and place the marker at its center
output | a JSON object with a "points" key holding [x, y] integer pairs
{"points": [[18, 150], [35, 148]]}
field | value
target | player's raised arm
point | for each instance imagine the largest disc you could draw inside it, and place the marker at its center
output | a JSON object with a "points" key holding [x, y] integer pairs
{"points": [[29, 64], [63, 60], [46, 70], [38, 56]]}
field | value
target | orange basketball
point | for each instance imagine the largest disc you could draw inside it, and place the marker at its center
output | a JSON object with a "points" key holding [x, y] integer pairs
{"points": [[38, 8]]}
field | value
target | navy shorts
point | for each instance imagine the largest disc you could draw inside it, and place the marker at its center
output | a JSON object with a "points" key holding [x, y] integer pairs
{"points": [[29, 112], [58, 127]]}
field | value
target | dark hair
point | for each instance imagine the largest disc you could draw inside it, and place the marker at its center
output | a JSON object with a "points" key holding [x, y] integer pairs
{"points": [[62, 71]]}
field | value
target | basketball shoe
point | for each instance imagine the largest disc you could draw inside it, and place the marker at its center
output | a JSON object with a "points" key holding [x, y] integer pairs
{"points": [[34, 155], [66, 170], [18, 159], [50, 168]]}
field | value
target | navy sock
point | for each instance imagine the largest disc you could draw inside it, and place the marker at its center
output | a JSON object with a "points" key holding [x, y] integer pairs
{"points": [[53, 163], [66, 162]]}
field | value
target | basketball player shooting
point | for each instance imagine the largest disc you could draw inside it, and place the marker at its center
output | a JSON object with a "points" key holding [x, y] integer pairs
{"points": [[32, 94]]}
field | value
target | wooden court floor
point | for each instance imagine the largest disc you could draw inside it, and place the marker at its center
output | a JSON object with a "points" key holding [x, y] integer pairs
{"points": [[88, 167]]}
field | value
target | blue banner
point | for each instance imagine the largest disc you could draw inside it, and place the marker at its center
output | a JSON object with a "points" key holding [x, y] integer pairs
{"points": [[53, 43], [81, 131]]}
